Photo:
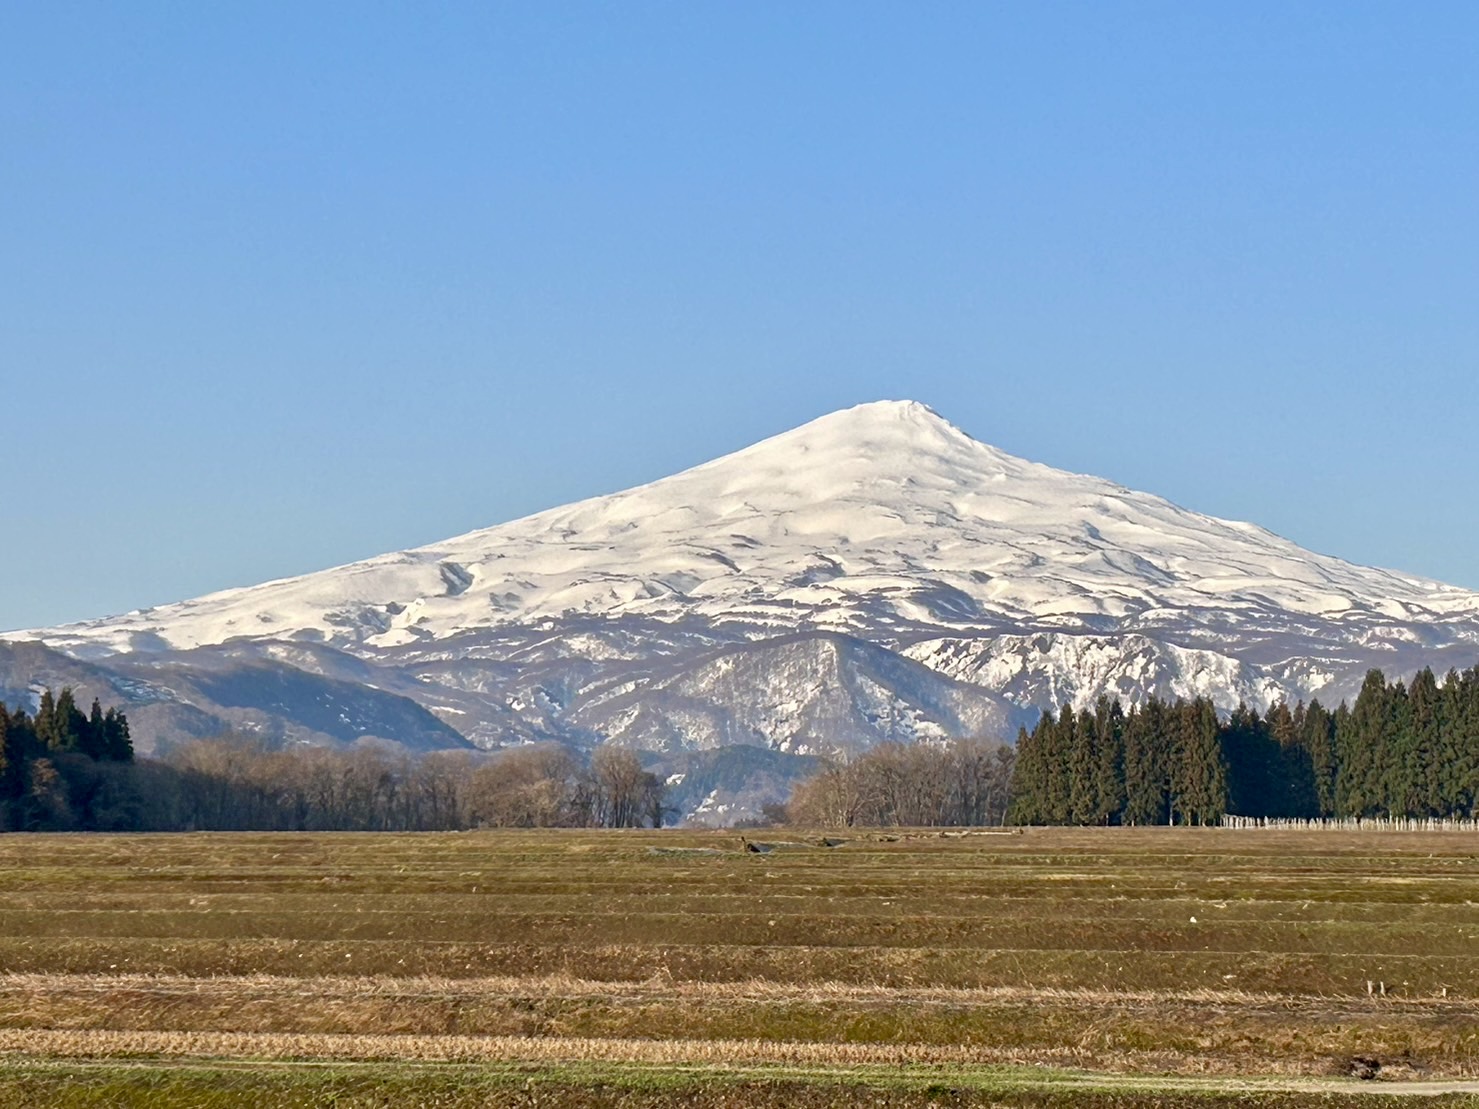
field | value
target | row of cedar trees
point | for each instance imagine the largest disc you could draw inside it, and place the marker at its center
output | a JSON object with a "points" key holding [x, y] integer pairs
{"points": [[1399, 751], [47, 759]]}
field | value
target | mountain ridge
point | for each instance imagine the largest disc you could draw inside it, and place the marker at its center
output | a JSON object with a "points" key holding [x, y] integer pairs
{"points": [[904, 580], [877, 498]]}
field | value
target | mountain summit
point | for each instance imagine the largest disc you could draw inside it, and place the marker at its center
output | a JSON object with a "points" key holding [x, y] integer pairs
{"points": [[873, 574], [880, 516]]}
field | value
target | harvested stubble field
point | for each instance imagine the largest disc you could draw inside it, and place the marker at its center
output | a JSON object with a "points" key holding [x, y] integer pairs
{"points": [[1054, 967]]}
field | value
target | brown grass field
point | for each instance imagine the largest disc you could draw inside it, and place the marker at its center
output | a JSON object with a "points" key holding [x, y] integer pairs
{"points": [[1114, 967]]}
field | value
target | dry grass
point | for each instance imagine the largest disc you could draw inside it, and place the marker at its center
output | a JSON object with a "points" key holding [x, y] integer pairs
{"points": [[524, 1049], [1205, 1031], [1187, 951], [709, 1054]]}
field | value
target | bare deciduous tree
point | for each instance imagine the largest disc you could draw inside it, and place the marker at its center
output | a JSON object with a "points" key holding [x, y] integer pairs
{"points": [[963, 782]]}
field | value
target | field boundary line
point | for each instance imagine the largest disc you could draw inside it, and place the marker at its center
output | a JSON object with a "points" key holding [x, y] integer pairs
{"points": [[164, 1051], [564, 987]]}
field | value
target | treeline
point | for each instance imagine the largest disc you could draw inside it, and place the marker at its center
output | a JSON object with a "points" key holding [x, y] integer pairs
{"points": [[1400, 751], [229, 785], [964, 782], [1410, 751], [55, 766], [63, 770]]}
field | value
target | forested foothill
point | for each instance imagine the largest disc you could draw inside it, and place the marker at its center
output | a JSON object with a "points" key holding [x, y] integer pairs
{"points": [[64, 770]]}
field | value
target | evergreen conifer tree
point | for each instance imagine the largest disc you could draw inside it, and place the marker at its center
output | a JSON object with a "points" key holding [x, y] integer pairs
{"points": [[1397, 769], [1420, 748], [1361, 740], [1146, 764], [1060, 736], [1461, 752], [1026, 806], [1109, 723], [1083, 769], [1199, 777], [70, 726], [1317, 736], [117, 744], [1253, 780], [45, 725], [93, 738]]}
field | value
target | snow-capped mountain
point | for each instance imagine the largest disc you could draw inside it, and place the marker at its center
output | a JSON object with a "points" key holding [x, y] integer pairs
{"points": [[874, 574]]}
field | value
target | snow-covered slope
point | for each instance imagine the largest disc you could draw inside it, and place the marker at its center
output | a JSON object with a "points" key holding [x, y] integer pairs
{"points": [[1054, 668], [874, 574], [818, 692], [880, 515]]}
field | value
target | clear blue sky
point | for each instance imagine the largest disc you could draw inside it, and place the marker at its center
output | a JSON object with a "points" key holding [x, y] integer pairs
{"points": [[287, 285]]}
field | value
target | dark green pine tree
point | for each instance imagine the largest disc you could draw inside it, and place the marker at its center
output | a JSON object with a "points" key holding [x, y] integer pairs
{"points": [[1317, 737], [1199, 775], [1083, 768], [1361, 742], [117, 743], [1027, 791], [45, 725], [1420, 748], [1468, 745], [1460, 755], [1254, 782], [1147, 784], [93, 737], [1060, 736], [69, 727], [1279, 725], [1179, 770], [1293, 788], [18, 746], [1448, 756], [1109, 729], [1342, 728], [1398, 772]]}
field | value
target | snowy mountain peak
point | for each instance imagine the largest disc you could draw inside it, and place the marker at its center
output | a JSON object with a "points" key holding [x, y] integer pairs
{"points": [[882, 521], [906, 424], [882, 438], [874, 574]]}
